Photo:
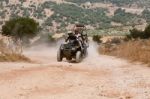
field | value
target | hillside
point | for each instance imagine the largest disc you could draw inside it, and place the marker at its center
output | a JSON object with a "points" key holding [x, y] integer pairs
{"points": [[38, 61], [56, 15], [129, 3]]}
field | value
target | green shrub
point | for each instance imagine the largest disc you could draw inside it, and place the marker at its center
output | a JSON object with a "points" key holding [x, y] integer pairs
{"points": [[134, 33], [96, 38], [20, 28]]}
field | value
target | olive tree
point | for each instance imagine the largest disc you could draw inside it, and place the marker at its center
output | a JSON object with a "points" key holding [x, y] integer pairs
{"points": [[21, 28]]}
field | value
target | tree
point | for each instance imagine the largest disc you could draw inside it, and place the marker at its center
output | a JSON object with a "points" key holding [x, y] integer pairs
{"points": [[20, 28]]}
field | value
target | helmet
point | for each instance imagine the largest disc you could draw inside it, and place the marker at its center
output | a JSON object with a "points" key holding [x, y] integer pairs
{"points": [[70, 33]]}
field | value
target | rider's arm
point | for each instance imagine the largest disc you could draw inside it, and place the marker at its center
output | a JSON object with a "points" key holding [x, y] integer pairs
{"points": [[66, 39]]}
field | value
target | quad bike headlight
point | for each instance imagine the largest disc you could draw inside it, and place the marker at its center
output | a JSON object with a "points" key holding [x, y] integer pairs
{"points": [[61, 47], [73, 49]]}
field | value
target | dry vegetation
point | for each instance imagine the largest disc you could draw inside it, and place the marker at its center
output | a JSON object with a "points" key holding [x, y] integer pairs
{"points": [[8, 54], [13, 58], [137, 50]]}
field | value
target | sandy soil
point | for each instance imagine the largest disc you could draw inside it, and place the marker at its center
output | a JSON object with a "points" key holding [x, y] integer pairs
{"points": [[97, 77]]}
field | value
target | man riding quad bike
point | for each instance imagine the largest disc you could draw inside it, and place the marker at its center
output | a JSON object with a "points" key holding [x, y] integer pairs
{"points": [[75, 47]]}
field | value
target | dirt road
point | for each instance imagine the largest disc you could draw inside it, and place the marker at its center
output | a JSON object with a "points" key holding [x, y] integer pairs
{"points": [[97, 77]]}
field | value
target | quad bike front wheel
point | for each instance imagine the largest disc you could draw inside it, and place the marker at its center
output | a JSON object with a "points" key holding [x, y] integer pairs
{"points": [[59, 56], [78, 56]]}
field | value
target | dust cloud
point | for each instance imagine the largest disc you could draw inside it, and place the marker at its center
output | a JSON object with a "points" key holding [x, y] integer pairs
{"points": [[47, 53]]}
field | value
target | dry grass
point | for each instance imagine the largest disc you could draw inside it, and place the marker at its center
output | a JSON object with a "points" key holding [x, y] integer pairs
{"points": [[8, 53], [13, 58], [138, 50]]}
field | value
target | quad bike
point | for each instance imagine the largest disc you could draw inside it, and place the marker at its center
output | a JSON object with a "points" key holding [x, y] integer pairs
{"points": [[72, 50], [76, 48]]}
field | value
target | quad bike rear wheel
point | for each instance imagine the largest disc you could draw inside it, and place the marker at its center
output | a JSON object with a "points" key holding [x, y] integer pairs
{"points": [[78, 56], [59, 55]]}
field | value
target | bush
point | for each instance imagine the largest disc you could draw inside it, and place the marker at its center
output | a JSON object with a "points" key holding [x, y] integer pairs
{"points": [[20, 28], [134, 33], [96, 38]]}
